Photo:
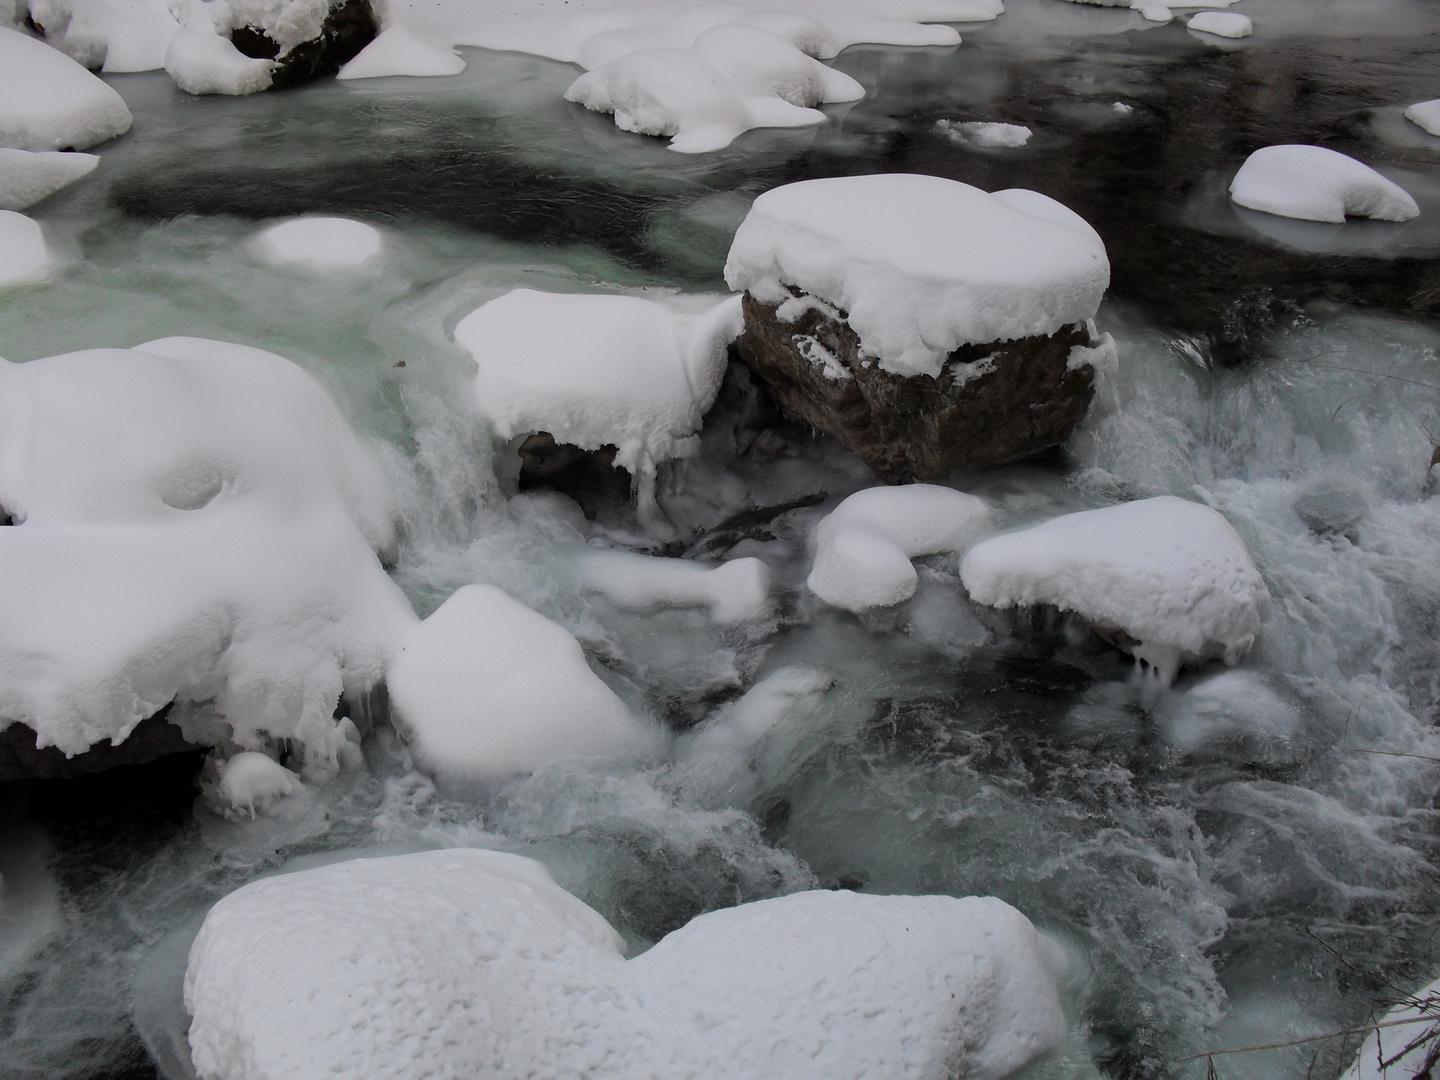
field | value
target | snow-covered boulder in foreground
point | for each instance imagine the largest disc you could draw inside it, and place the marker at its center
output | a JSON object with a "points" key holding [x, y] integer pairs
{"points": [[1226, 24], [195, 523], [398, 50], [49, 102], [1426, 114], [475, 963], [322, 243], [27, 176], [597, 371], [1401, 1051], [733, 591], [1317, 184], [24, 259], [863, 548], [486, 688], [1172, 577]]}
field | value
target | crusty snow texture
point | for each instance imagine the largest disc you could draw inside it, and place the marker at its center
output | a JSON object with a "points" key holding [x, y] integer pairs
{"points": [[486, 688], [864, 547], [1172, 574], [49, 102], [27, 176], [922, 265], [24, 259], [1387, 1043], [475, 963], [733, 591], [1317, 184]]}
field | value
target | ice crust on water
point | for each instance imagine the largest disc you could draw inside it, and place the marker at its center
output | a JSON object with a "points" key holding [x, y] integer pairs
{"points": [[1317, 184], [398, 50], [322, 243], [864, 546], [471, 962], [27, 176], [49, 102], [922, 265], [1425, 114], [733, 591], [486, 688], [24, 259], [1387, 1043], [1226, 24], [1173, 575]]}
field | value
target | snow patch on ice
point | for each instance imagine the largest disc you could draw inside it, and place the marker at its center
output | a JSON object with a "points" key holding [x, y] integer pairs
{"points": [[24, 259], [733, 591], [983, 134], [1425, 114], [322, 243], [27, 176], [49, 102], [1317, 184]]}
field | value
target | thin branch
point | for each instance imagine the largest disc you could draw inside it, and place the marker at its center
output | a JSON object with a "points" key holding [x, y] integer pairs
{"points": [[1306, 1039], [1390, 753]]}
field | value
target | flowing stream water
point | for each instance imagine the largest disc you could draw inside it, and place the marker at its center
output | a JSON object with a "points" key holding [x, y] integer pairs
{"points": [[1245, 858]]}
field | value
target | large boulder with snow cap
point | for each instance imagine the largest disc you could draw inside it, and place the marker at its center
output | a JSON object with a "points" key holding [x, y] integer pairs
{"points": [[49, 102], [923, 322], [475, 963]]}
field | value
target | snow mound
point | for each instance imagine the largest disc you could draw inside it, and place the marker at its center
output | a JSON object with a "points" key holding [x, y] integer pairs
{"points": [[323, 243], [27, 176], [49, 102], [195, 523], [203, 62], [922, 265], [486, 688], [1426, 114], [864, 547], [114, 35], [599, 371], [24, 258], [1316, 184], [733, 591], [475, 963], [251, 783], [398, 50], [1226, 24], [1405, 1046], [984, 135], [1172, 576]]}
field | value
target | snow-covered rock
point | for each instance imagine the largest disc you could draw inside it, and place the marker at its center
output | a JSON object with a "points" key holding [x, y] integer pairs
{"points": [[27, 176], [1425, 114], [195, 523], [475, 963], [1173, 577], [24, 259], [49, 102], [984, 135], [863, 548], [204, 62], [1317, 184], [733, 591], [251, 783], [597, 371], [486, 688], [1226, 24], [113, 35], [1406, 1046], [322, 243], [398, 50], [921, 265]]}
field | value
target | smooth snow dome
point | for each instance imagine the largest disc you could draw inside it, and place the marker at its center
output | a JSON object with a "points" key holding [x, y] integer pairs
{"points": [[1400, 1052], [1426, 114], [24, 258], [115, 35], [921, 264], [320, 242], [863, 548], [733, 591], [203, 62], [1316, 184], [513, 976], [398, 50], [27, 176], [486, 688], [49, 102], [194, 523], [1173, 575], [599, 370], [251, 783], [983, 134], [1226, 24]]}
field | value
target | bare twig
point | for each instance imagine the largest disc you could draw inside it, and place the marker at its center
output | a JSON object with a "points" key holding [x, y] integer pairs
{"points": [[1302, 1041]]}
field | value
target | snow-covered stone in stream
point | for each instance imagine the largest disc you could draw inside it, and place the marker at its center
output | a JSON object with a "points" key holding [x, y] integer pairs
{"points": [[323, 243], [113, 35], [24, 259], [251, 783], [477, 964], [398, 50], [1317, 184], [486, 688], [864, 547], [984, 135], [733, 591], [1226, 24], [1399, 1052], [922, 265], [27, 176], [732, 79], [193, 521], [598, 371], [1156, 13], [204, 62], [49, 102], [1168, 579], [1426, 114]]}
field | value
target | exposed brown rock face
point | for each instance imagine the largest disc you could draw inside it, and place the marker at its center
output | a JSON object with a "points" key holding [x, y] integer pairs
{"points": [[1022, 399], [348, 28], [153, 737]]}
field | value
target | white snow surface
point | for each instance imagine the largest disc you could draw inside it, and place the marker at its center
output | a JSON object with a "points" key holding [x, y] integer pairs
{"points": [[398, 50], [251, 784], [597, 370], [49, 102], [194, 521], [486, 688], [24, 259], [984, 134], [1386, 1043], [203, 62], [922, 265], [115, 35], [1172, 574], [864, 546], [733, 591], [1317, 184], [1226, 24], [288, 22], [1426, 114], [475, 963], [27, 176], [322, 243]]}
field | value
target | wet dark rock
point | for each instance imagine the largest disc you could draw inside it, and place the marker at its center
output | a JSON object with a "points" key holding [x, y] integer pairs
{"points": [[915, 427], [751, 524], [154, 737], [590, 477], [348, 28]]}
